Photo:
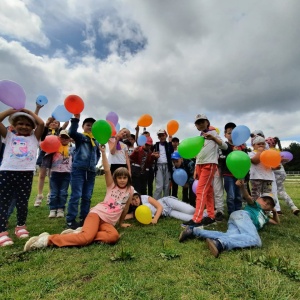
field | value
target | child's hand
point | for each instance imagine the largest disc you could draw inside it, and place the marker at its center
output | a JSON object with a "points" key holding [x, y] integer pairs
{"points": [[154, 221], [102, 148], [124, 225], [77, 116], [240, 182]]}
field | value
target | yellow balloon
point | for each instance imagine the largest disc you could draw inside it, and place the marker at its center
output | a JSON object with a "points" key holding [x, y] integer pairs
{"points": [[143, 214], [217, 130]]}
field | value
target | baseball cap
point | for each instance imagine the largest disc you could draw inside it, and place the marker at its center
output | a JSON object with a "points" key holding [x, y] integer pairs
{"points": [[229, 125], [269, 195], [90, 120], [23, 114], [161, 131], [64, 132], [175, 155], [149, 141], [200, 117]]}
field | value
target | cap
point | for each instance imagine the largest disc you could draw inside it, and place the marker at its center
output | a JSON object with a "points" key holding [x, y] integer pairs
{"points": [[161, 131], [257, 132], [200, 117], [257, 139], [90, 120], [19, 114], [175, 155], [64, 132], [149, 141], [229, 125], [269, 195]]}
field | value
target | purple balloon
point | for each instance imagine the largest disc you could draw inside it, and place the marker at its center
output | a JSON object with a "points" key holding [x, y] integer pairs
{"points": [[12, 94], [194, 186], [286, 155], [112, 117]]}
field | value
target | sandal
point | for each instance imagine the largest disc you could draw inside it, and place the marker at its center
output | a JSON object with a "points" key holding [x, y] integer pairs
{"points": [[38, 200], [21, 232], [5, 240]]}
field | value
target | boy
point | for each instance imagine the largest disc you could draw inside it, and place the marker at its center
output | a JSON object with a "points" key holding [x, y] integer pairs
{"points": [[242, 225], [85, 159]]}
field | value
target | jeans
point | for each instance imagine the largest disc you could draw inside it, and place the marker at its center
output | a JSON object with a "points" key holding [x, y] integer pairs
{"points": [[241, 232], [59, 184], [233, 199], [82, 185]]}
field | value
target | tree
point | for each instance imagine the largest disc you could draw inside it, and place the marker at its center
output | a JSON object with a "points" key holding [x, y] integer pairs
{"points": [[294, 164]]}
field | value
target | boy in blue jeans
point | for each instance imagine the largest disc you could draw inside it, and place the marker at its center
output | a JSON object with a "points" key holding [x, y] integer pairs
{"points": [[85, 159], [242, 225]]}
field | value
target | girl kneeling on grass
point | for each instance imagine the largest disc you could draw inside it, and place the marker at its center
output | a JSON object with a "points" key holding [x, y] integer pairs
{"points": [[166, 206], [99, 223]]}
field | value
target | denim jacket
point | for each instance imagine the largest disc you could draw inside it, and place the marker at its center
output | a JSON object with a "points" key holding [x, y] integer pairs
{"points": [[85, 155]]}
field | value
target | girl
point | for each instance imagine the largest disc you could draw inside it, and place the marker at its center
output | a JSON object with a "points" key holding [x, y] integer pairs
{"points": [[166, 206], [99, 223], [17, 168]]}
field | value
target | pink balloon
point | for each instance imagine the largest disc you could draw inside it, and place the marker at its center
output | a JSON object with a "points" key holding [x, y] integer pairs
{"points": [[12, 94], [194, 186], [112, 117]]}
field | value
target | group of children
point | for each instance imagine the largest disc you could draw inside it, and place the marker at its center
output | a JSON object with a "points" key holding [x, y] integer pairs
{"points": [[123, 173]]}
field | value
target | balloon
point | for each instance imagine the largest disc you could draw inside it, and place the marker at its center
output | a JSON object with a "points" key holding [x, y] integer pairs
{"points": [[50, 144], [217, 130], [113, 128], [143, 214], [194, 186], [240, 134], [190, 147], [286, 155], [145, 120], [41, 100], [142, 140], [172, 127], [12, 94], [118, 127], [74, 104], [270, 158], [180, 176], [112, 117], [101, 130], [61, 114], [238, 163]]}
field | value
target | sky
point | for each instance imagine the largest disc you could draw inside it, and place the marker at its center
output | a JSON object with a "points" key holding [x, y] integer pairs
{"points": [[235, 61]]}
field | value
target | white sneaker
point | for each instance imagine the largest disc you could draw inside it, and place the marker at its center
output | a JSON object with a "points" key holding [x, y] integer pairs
{"points": [[77, 230], [37, 242], [38, 200], [60, 213], [52, 213]]}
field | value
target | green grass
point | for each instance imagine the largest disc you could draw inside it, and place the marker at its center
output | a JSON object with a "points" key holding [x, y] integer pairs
{"points": [[150, 263]]}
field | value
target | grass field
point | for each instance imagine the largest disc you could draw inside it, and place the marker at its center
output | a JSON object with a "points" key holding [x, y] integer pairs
{"points": [[150, 263]]}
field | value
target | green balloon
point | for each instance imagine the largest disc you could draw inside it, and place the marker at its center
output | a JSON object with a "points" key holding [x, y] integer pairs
{"points": [[190, 147], [238, 163], [101, 131]]}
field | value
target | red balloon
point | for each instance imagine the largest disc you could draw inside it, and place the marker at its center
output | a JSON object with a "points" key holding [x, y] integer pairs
{"points": [[113, 128], [50, 144], [74, 104]]}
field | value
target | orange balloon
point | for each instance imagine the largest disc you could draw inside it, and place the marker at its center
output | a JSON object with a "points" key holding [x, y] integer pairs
{"points": [[270, 158], [74, 104], [50, 144], [113, 128], [172, 127], [145, 120]]}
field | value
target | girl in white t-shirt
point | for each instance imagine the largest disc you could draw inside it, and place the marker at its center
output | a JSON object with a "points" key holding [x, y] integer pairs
{"points": [[99, 224], [18, 166]]}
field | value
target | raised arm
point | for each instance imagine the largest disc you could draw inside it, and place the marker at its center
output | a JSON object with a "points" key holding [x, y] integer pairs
{"points": [[3, 115], [244, 191], [108, 176]]}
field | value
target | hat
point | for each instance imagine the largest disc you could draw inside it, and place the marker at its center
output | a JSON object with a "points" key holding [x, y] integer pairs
{"points": [[257, 139], [19, 114], [271, 141], [64, 132], [161, 131], [257, 132], [269, 195], [149, 141], [200, 117], [229, 125], [90, 120], [175, 155]]}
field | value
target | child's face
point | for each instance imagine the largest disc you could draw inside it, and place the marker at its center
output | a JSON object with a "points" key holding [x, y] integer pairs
{"points": [[23, 126], [136, 201], [175, 144], [64, 140], [54, 124], [124, 134], [201, 124], [228, 135], [266, 206], [259, 146], [177, 162], [87, 127], [131, 140], [162, 137], [122, 181]]}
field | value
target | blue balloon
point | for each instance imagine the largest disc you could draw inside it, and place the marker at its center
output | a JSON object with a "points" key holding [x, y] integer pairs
{"points": [[240, 134], [180, 177], [61, 114], [41, 100], [117, 127], [141, 141]]}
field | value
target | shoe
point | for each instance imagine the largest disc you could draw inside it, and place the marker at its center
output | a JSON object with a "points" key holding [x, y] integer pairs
{"points": [[296, 211], [207, 221], [52, 213], [219, 216], [38, 200], [187, 233], [48, 199], [191, 223], [21, 232], [79, 229], [214, 246], [73, 225], [60, 213], [5, 240], [37, 242]]}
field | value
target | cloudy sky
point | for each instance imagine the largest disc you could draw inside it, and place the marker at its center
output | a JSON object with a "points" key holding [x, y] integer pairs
{"points": [[233, 60]]}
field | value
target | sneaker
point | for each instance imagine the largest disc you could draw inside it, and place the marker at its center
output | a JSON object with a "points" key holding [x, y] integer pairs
{"points": [[219, 216], [191, 223], [73, 225], [60, 213], [187, 233], [79, 229], [48, 199], [296, 211], [21, 232], [38, 200], [207, 221], [37, 242], [214, 246], [5, 240]]}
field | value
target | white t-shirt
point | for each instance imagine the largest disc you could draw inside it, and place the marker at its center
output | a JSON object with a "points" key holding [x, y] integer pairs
{"points": [[259, 171], [20, 152], [162, 155], [119, 157]]}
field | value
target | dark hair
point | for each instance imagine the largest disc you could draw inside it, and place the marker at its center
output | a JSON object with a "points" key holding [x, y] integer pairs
{"points": [[269, 201], [20, 118], [229, 125], [132, 208], [277, 141], [122, 171], [175, 139], [132, 136]]}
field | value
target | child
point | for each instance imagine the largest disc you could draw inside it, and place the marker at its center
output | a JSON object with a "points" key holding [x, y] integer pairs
{"points": [[60, 176], [242, 225], [17, 168], [99, 223], [85, 159], [206, 166], [166, 206]]}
